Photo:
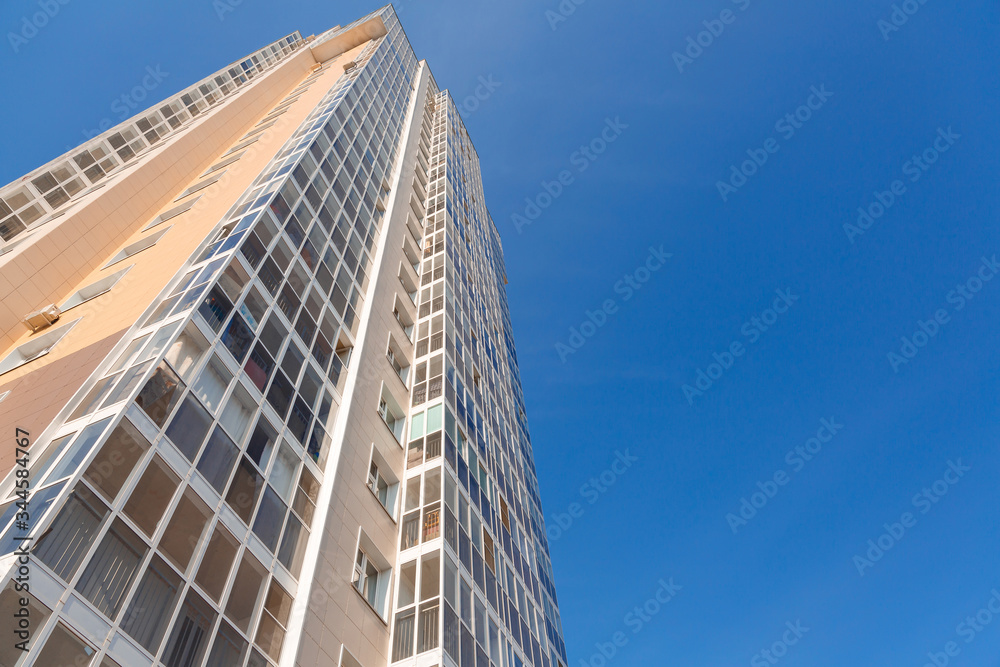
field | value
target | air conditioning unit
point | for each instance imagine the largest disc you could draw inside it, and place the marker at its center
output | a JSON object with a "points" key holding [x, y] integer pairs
{"points": [[43, 318]]}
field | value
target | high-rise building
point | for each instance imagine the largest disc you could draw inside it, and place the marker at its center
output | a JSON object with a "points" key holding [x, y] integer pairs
{"points": [[258, 383]]}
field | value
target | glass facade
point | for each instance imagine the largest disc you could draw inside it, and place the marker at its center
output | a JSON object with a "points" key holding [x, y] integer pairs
{"points": [[472, 542], [35, 199], [175, 505]]}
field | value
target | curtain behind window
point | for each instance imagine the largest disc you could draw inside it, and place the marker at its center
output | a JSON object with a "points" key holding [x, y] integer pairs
{"points": [[112, 569]]}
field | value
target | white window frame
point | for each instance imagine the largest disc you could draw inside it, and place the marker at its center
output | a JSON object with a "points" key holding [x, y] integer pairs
{"points": [[35, 348], [94, 290], [135, 248], [396, 358], [360, 579], [393, 416], [200, 186], [171, 213], [347, 658], [392, 485]]}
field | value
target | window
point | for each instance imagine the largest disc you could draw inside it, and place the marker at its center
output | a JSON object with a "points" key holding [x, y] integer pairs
{"points": [[293, 545], [229, 648], [93, 290], [488, 551], [271, 631], [35, 348], [190, 637], [212, 383], [237, 338], [112, 568], [218, 459], [65, 543], [238, 413], [504, 515], [242, 144], [154, 601], [136, 248], [270, 519], [10, 600], [283, 474], [384, 488], [262, 443], [340, 360], [161, 392], [407, 630], [215, 308], [233, 280], [259, 366], [151, 496], [62, 647], [391, 414], [348, 660], [410, 535], [398, 361], [189, 427], [245, 592], [79, 450], [129, 381], [253, 308], [217, 562], [371, 578], [404, 319], [183, 533], [200, 186], [430, 580], [224, 163], [280, 394], [409, 286], [428, 380], [402, 645], [114, 462], [306, 496], [171, 213], [186, 352], [430, 336], [245, 490]]}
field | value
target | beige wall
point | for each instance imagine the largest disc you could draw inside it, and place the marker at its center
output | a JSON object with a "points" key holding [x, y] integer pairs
{"points": [[69, 252], [337, 613]]}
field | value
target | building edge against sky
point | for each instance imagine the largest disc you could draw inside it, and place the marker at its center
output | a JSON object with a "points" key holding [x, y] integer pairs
{"points": [[258, 344]]}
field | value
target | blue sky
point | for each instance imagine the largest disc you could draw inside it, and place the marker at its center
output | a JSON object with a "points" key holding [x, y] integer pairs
{"points": [[853, 296]]}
